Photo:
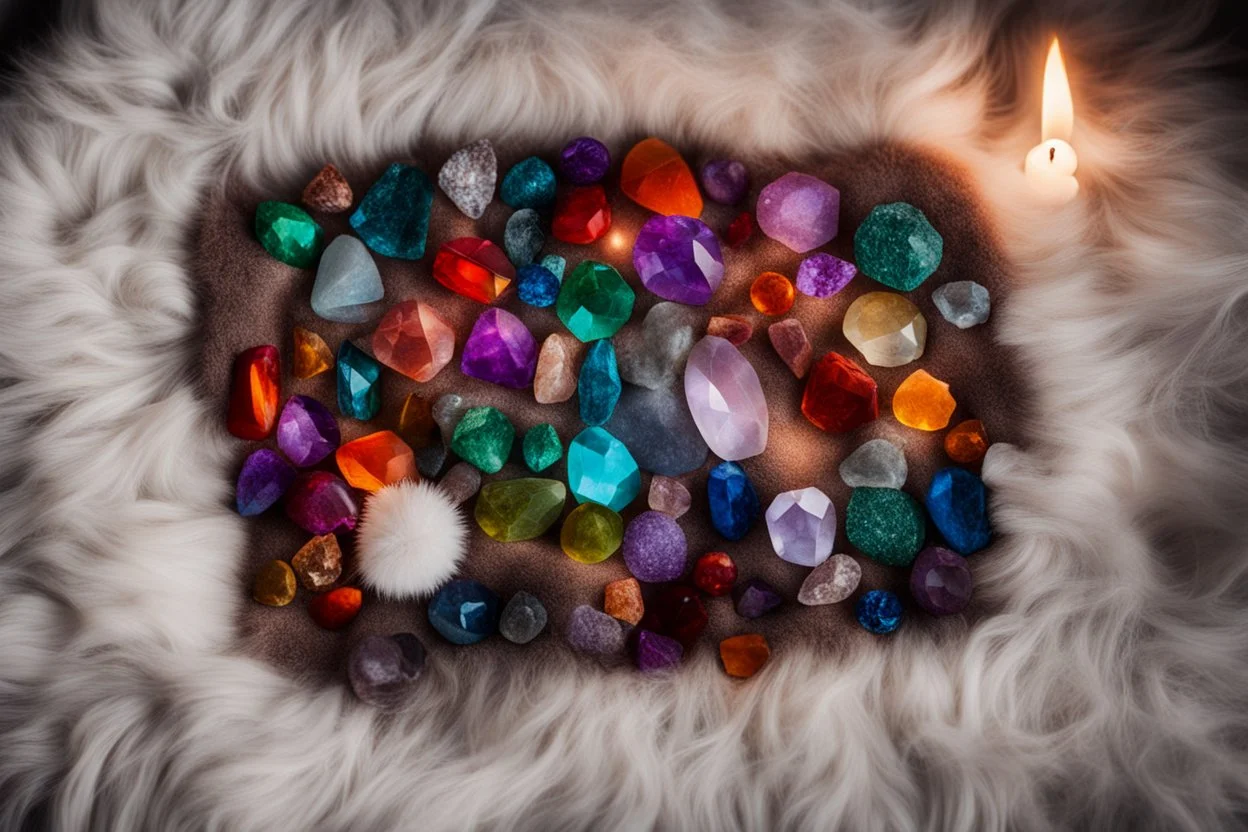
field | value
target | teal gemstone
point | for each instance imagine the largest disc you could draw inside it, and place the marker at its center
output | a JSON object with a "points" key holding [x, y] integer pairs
{"points": [[555, 265], [594, 301], [483, 438], [885, 524], [393, 217], [958, 504], [288, 233], [541, 447], [598, 386], [359, 383], [897, 246], [529, 184], [601, 470]]}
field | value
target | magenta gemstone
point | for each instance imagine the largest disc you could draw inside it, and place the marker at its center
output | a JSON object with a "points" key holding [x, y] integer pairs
{"points": [[307, 432], [822, 275], [584, 160], [656, 653], [800, 211], [940, 581], [725, 180], [262, 482], [500, 350], [756, 598], [678, 258], [320, 503]]}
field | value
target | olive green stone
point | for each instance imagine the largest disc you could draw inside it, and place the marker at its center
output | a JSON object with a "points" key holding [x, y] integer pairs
{"points": [[592, 533], [288, 233], [483, 438], [519, 509], [886, 525], [594, 301], [542, 447], [897, 246]]}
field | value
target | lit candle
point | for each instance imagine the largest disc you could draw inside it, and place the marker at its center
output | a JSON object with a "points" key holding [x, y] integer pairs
{"points": [[1050, 166]]}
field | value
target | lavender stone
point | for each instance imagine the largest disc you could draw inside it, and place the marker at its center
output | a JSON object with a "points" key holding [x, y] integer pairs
{"points": [[679, 259], [307, 432], [591, 631], [262, 482], [755, 598], [800, 211], [383, 669], [725, 180], [501, 350], [940, 581], [655, 549], [823, 275], [657, 653], [584, 160]]}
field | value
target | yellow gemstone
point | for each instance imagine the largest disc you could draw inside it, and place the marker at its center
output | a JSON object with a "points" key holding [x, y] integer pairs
{"points": [[275, 584], [923, 402], [312, 354], [886, 328], [591, 533]]}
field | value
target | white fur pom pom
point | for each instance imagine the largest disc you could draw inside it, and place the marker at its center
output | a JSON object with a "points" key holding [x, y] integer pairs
{"points": [[411, 539]]}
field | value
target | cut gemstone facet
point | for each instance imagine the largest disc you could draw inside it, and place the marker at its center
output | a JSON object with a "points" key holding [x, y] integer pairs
{"points": [[726, 399], [501, 350], [656, 177], [474, 268], [678, 258], [393, 217], [253, 393], [601, 470], [594, 301], [414, 339], [802, 525], [348, 285], [839, 396], [886, 328]]}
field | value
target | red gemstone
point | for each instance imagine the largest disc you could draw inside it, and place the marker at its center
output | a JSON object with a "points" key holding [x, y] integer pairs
{"points": [[715, 573], [839, 395], [474, 268], [740, 230], [582, 215], [337, 608], [254, 393], [676, 612]]}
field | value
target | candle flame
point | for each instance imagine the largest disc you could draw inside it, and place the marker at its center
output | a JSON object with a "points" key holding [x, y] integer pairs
{"points": [[1057, 110]]}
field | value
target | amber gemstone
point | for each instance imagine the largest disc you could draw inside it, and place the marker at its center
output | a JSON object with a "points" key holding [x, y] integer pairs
{"points": [[743, 656], [839, 395], [582, 215], [275, 584], [474, 268], [923, 402], [319, 563], [372, 462], [676, 612], [416, 422], [622, 600], [656, 177], [312, 355], [772, 293], [715, 573], [413, 339], [967, 442], [336, 608], [254, 393]]}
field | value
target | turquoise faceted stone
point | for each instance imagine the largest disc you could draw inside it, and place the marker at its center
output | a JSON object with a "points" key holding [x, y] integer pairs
{"points": [[897, 246], [599, 386], [464, 612], [529, 184], [393, 217], [359, 383], [594, 301], [958, 505], [288, 233], [735, 507], [601, 470]]}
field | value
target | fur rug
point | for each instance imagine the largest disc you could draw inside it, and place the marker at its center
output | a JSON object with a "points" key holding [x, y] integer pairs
{"points": [[1109, 691]]}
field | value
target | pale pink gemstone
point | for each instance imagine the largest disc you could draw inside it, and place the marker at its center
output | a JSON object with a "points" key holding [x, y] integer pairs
{"points": [[726, 399]]}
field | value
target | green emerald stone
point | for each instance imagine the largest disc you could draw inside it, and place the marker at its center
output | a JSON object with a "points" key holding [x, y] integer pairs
{"points": [[288, 233], [542, 447], [885, 524], [519, 509], [897, 246], [594, 301], [483, 438]]}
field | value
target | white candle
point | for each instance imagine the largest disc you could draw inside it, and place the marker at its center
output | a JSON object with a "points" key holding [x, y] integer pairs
{"points": [[1050, 166]]}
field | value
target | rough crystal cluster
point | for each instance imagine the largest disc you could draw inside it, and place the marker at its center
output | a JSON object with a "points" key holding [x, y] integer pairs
{"points": [[413, 339], [963, 303], [501, 350], [733, 501], [897, 246], [288, 233], [348, 286], [474, 268], [468, 178], [601, 470], [886, 328], [802, 526], [678, 259], [726, 399], [594, 301], [464, 612], [591, 533], [655, 176], [393, 217], [655, 549], [800, 211], [520, 509], [839, 395]]}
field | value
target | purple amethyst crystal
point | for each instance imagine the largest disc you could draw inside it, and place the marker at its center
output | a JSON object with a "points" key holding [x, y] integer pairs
{"points": [[655, 549], [584, 160], [307, 432], [940, 581], [725, 180], [501, 350], [678, 259], [800, 211], [384, 669], [320, 503], [262, 482], [822, 275], [657, 653], [755, 598]]}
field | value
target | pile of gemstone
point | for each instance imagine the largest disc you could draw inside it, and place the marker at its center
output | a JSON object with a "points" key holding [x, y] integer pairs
{"points": [[680, 259]]}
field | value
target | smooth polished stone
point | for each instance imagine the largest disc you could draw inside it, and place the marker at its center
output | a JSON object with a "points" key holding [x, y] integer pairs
{"points": [[655, 549], [876, 463], [669, 496], [839, 395], [967, 442], [372, 462], [601, 470], [744, 655], [468, 178], [582, 215], [383, 670], [715, 574], [254, 390], [822, 275], [800, 211], [676, 611], [537, 286], [541, 447], [830, 582], [725, 180], [501, 350], [289, 233], [320, 502], [655, 176], [413, 339], [772, 294], [657, 653], [897, 246], [885, 524], [802, 526], [755, 598], [594, 301], [599, 385], [591, 533], [622, 600], [312, 355], [328, 192], [447, 411], [740, 230], [923, 402], [735, 329], [529, 184], [393, 217], [337, 608], [523, 619], [879, 611], [788, 339], [554, 379], [416, 423], [963, 303], [584, 160], [264, 478], [594, 632], [678, 258], [464, 612], [307, 432], [726, 399], [886, 328], [733, 501], [940, 581], [523, 237], [474, 268], [658, 430], [519, 509], [359, 383], [348, 285], [462, 482], [318, 563], [655, 357], [483, 437], [274, 584], [958, 505]]}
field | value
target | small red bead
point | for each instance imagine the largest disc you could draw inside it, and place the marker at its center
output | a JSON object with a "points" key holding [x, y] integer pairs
{"points": [[676, 612], [582, 215], [254, 393], [715, 573], [336, 608], [740, 230]]}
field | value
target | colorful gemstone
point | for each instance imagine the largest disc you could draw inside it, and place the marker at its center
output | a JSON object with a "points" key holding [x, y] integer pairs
{"points": [[877, 463], [337, 608], [372, 462], [468, 178], [940, 581], [584, 160], [501, 350], [312, 354], [657, 653], [897, 246], [755, 598], [474, 268], [879, 611], [464, 612], [622, 600], [839, 396], [802, 526], [359, 383], [253, 393], [734, 329], [733, 501], [677, 612], [265, 477], [678, 259], [523, 619], [800, 211], [328, 192], [413, 339], [656, 427], [318, 563], [393, 217], [726, 399], [555, 265], [963, 303], [519, 509], [348, 285], [725, 180], [483, 437], [669, 496], [307, 432], [654, 359], [537, 286], [772, 293], [599, 385], [591, 631], [529, 184], [958, 504], [320, 502], [656, 177], [591, 533], [830, 582], [541, 447], [416, 424], [744, 655], [274, 585], [886, 328], [885, 524], [740, 230], [523, 237], [554, 380], [823, 275], [923, 402], [582, 215], [601, 470], [967, 442], [289, 233], [382, 670], [788, 339], [594, 301], [715, 574], [655, 549]]}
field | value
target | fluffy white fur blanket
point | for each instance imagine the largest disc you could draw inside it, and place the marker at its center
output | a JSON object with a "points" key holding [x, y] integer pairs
{"points": [[1109, 692]]}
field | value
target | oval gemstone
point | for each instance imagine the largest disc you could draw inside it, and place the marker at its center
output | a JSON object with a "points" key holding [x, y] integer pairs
{"points": [[307, 432], [464, 611], [940, 581], [414, 339], [253, 393], [897, 246], [591, 533], [584, 160], [274, 585], [655, 176], [337, 608], [594, 301], [800, 211], [725, 180], [830, 582], [320, 502], [348, 284], [501, 350], [886, 328], [519, 509], [733, 501], [802, 525], [679, 259], [655, 549], [958, 504], [474, 268], [383, 669], [601, 470], [885, 524], [715, 573], [839, 396], [772, 293], [879, 611], [529, 184], [726, 399], [265, 477]]}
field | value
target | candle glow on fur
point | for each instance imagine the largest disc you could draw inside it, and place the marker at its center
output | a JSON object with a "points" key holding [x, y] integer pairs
{"points": [[1050, 166]]}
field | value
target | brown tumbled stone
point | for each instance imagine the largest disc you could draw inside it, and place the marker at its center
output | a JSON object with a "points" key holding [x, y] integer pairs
{"points": [[555, 380], [328, 192], [319, 563], [734, 329], [791, 344], [275, 584]]}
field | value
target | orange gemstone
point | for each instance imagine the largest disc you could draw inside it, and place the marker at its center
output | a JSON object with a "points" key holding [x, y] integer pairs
{"points": [[312, 354], [967, 443], [254, 393], [336, 608], [656, 177], [413, 339], [923, 402], [623, 600], [772, 293], [744, 655], [474, 268], [416, 424], [372, 462]]}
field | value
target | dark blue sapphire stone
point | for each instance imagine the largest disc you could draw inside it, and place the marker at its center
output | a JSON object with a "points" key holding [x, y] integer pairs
{"points": [[734, 502], [958, 505], [464, 612], [879, 611]]}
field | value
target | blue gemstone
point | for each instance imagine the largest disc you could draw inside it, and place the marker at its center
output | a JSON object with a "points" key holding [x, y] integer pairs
{"points": [[529, 184], [601, 470], [734, 502], [359, 383], [536, 285], [598, 386], [393, 217], [958, 505], [556, 264], [464, 612], [879, 612]]}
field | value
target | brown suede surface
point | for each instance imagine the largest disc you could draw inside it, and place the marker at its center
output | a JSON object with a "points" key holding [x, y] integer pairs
{"points": [[248, 298]]}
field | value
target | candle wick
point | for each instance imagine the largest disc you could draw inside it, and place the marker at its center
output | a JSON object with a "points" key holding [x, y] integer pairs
{"points": [[1052, 154]]}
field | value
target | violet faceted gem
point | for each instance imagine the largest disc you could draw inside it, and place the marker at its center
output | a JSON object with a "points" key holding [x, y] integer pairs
{"points": [[725, 180], [307, 431], [320, 502], [802, 525], [800, 211], [678, 258], [940, 581], [823, 275], [657, 653], [584, 160], [755, 598], [262, 482], [726, 399], [501, 350]]}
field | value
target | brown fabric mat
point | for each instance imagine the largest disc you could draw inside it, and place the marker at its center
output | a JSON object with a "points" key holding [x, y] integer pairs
{"points": [[248, 298]]}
